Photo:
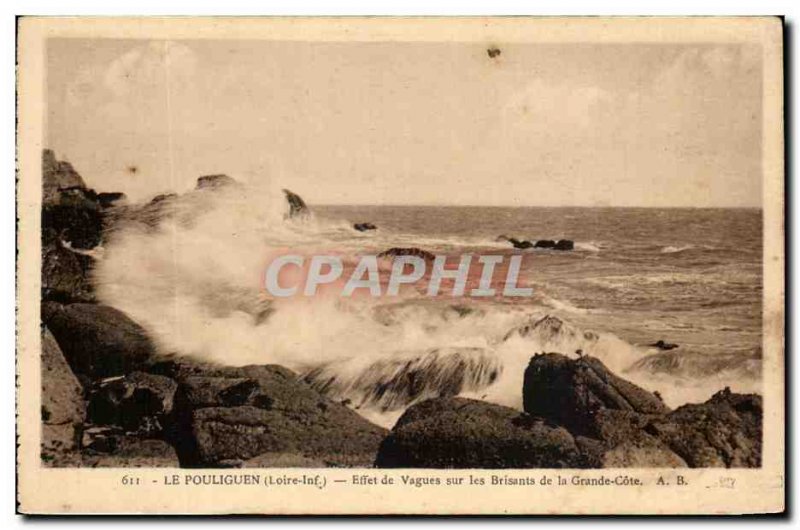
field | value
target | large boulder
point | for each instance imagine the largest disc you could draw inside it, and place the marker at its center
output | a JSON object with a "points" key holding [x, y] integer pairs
{"points": [[228, 416], [725, 431], [571, 392], [465, 433], [63, 407], [138, 402], [98, 341]]}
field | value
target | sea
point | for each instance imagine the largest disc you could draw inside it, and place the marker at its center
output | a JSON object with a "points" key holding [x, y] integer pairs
{"points": [[691, 277]]}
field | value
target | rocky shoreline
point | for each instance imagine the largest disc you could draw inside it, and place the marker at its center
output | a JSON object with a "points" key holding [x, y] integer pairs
{"points": [[110, 399]]}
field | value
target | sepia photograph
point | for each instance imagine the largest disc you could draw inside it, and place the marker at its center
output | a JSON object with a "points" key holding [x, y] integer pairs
{"points": [[419, 254]]}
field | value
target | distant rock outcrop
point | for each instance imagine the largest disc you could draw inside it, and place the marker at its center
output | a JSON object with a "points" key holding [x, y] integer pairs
{"points": [[561, 244], [661, 345], [517, 243], [297, 206], [465, 433], [215, 182], [412, 251], [564, 244], [363, 227]]}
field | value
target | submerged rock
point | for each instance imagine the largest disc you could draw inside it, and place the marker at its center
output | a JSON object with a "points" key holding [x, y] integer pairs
{"points": [[97, 340], [465, 433], [572, 392], [63, 408], [363, 227]]}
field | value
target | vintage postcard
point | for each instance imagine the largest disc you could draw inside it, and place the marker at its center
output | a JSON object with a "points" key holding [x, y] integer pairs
{"points": [[400, 266]]}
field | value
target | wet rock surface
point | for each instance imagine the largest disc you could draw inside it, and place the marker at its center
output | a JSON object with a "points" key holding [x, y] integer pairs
{"points": [[97, 340], [572, 392], [465, 433], [139, 402], [225, 414], [725, 431]]}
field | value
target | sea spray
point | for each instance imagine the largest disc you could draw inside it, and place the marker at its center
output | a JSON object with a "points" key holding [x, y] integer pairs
{"points": [[190, 271]]}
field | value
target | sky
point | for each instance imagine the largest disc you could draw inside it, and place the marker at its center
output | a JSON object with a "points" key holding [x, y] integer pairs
{"points": [[652, 125]]}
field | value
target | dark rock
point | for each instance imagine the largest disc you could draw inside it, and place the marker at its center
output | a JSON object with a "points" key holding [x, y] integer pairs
{"points": [[465, 433], [138, 402], [564, 244], [550, 329], [517, 243], [413, 251], [725, 431], [545, 243], [363, 227], [620, 441], [236, 414], [97, 340], [73, 215], [65, 273], [661, 345], [180, 367], [112, 449], [63, 409], [109, 199], [215, 182], [57, 175], [572, 392], [297, 207]]}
